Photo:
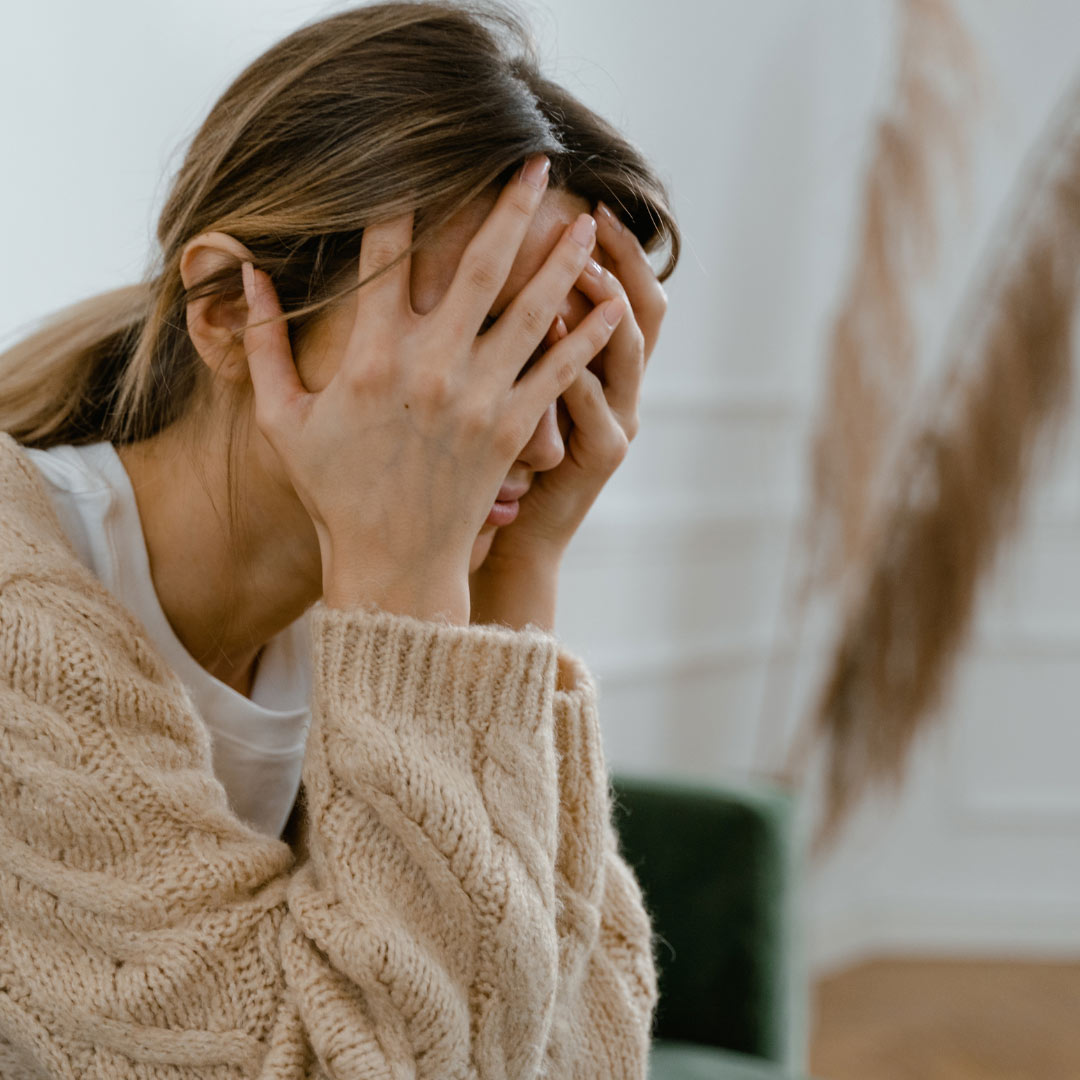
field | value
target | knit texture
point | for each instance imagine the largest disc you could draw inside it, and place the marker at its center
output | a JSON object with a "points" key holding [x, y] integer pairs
{"points": [[456, 906]]}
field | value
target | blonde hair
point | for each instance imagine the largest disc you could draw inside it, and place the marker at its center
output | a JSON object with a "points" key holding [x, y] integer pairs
{"points": [[350, 120]]}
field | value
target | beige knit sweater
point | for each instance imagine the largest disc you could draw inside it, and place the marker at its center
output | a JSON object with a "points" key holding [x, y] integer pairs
{"points": [[456, 907]]}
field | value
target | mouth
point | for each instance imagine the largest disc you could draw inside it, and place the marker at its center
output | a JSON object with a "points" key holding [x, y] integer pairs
{"points": [[502, 513], [507, 504], [509, 493]]}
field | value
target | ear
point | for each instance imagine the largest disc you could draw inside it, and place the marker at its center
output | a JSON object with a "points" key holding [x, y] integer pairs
{"points": [[214, 321]]}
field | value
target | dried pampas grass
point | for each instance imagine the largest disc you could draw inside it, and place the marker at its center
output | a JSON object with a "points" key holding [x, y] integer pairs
{"points": [[959, 487], [872, 344]]}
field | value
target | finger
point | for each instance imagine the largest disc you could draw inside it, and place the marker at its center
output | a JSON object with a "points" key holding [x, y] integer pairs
{"points": [[266, 342], [523, 325], [486, 262], [556, 371], [631, 265], [387, 295], [598, 433], [624, 357]]}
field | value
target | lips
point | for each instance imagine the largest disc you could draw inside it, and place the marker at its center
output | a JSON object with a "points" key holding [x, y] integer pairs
{"points": [[509, 493]]}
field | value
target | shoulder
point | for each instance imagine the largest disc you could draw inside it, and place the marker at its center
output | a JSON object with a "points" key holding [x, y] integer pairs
{"points": [[46, 591], [28, 522]]}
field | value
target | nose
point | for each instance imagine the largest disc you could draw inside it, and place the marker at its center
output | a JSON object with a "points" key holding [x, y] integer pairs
{"points": [[545, 449]]}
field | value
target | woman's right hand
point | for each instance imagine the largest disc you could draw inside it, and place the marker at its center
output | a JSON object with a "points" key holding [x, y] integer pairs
{"points": [[400, 457]]}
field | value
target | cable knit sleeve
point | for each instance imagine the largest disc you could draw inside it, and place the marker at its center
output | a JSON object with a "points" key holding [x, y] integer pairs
{"points": [[607, 990], [460, 909], [424, 920]]}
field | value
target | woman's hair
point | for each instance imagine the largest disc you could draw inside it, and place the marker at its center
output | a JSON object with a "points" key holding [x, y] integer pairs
{"points": [[354, 119]]}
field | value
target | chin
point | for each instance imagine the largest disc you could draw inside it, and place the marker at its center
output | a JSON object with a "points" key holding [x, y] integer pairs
{"points": [[481, 547]]}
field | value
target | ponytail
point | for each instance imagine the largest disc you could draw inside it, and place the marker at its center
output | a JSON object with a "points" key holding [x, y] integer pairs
{"points": [[57, 385]]}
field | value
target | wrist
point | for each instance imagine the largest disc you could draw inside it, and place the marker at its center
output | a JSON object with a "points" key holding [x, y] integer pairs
{"points": [[428, 595], [447, 608], [516, 595]]}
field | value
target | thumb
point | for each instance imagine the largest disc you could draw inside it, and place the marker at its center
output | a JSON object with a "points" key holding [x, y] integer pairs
{"points": [[274, 377]]}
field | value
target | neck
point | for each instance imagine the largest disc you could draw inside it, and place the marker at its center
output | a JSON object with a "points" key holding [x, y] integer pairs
{"points": [[224, 603]]}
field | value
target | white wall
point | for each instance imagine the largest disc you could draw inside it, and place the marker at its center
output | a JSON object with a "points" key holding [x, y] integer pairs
{"points": [[764, 133], [758, 115]]}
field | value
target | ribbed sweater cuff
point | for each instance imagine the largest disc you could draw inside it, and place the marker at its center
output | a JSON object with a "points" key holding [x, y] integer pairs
{"points": [[405, 669], [584, 801]]}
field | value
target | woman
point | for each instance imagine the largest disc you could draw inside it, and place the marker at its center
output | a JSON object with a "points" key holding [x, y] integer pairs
{"points": [[255, 562]]}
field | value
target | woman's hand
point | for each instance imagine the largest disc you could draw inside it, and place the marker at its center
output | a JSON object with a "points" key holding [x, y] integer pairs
{"points": [[399, 459], [517, 581]]}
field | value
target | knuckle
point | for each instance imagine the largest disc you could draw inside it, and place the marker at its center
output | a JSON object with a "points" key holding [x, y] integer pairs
{"points": [[431, 387], [522, 199], [379, 255], [456, 329], [533, 320], [356, 381], [618, 292], [475, 420], [599, 333], [482, 272], [594, 392], [364, 375], [621, 292], [566, 374], [618, 447], [571, 259]]}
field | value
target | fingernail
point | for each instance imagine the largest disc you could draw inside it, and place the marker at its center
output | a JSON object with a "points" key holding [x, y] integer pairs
{"points": [[614, 311], [535, 173], [560, 327], [594, 268], [609, 215], [583, 230], [248, 273]]}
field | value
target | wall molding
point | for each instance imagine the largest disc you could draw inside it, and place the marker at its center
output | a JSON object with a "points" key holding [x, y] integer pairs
{"points": [[1024, 927], [652, 520], [664, 660], [717, 402], [1018, 810], [999, 642], [661, 524]]}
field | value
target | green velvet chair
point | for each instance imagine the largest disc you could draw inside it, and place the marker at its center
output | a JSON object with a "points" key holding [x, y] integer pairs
{"points": [[718, 866]]}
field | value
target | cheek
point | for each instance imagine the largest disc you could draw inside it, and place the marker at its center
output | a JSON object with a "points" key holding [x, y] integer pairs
{"points": [[574, 311], [319, 352], [562, 417], [575, 308]]}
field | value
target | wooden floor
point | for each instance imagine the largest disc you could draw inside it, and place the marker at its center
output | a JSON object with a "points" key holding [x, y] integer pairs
{"points": [[947, 1020]]}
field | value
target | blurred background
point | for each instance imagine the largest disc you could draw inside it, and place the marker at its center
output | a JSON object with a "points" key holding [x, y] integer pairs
{"points": [[939, 934]]}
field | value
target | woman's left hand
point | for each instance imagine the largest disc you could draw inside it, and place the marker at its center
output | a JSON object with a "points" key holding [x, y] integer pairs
{"points": [[517, 580]]}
